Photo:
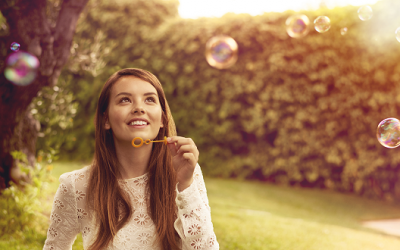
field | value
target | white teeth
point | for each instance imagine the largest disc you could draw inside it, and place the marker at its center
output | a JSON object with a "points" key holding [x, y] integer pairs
{"points": [[138, 123]]}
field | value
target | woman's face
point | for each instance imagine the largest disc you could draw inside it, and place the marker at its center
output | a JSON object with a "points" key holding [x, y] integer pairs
{"points": [[133, 99]]}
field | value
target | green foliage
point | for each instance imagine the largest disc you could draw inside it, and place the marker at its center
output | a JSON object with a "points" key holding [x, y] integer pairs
{"points": [[291, 111], [32, 238], [98, 42], [55, 109], [21, 205]]}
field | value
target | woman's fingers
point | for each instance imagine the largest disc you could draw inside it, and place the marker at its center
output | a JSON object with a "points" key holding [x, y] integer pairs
{"points": [[185, 156], [190, 158], [189, 149], [180, 142], [172, 148]]}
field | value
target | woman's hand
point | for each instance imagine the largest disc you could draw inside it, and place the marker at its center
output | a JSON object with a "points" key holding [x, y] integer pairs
{"points": [[184, 159]]}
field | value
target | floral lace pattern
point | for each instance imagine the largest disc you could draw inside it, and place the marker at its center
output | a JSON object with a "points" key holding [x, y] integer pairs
{"points": [[81, 213], [56, 218], [85, 232], [79, 195], [58, 204], [144, 238], [71, 215], [194, 229], [197, 244], [142, 219]]}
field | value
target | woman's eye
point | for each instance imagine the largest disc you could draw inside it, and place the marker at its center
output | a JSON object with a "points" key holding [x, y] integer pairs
{"points": [[152, 99], [124, 98]]}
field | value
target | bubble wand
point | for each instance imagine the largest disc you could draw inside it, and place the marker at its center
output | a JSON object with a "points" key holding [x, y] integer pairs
{"points": [[146, 141]]}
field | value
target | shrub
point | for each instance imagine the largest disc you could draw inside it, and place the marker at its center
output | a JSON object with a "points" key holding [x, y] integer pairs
{"points": [[21, 208]]}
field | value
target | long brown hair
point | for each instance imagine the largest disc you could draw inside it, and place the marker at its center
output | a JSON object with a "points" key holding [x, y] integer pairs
{"points": [[104, 191]]}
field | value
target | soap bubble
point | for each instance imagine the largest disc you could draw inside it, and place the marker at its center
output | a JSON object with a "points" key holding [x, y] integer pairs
{"points": [[365, 13], [343, 31], [21, 68], [322, 24], [297, 26], [398, 34], [388, 133], [221, 52], [15, 46]]}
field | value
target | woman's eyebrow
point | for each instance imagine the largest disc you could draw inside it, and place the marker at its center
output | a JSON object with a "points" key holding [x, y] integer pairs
{"points": [[150, 93], [145, 94]]}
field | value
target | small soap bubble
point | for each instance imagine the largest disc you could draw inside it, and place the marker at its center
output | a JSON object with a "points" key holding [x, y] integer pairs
{"points": [[322, 24], [15, 46], [388, 133], [297, 26], [365, 13], [21, 68], [343, 31], [221, 52], [398, 34]]}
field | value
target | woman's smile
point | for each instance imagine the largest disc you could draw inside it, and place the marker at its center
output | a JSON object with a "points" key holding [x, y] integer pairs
{"points": [[138, 126], [138, 123]]}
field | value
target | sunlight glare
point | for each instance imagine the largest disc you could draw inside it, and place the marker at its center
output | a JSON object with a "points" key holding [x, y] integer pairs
{"points": [[217, 8]]}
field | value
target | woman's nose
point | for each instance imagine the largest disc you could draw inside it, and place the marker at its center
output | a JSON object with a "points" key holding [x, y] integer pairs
{"points": [[138, 110]]}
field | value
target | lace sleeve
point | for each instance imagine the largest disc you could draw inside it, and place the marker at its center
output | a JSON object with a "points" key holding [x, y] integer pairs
{"points": [[64, 224], [194, 224]]}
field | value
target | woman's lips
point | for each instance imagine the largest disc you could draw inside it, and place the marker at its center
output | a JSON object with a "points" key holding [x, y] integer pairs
{"points": [[138, 126]]}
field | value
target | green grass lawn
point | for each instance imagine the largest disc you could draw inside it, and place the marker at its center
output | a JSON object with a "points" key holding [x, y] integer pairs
{"points": [[251, 215]]}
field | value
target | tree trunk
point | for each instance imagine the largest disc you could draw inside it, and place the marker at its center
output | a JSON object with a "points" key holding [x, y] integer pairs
{"points": [[31, 28]]}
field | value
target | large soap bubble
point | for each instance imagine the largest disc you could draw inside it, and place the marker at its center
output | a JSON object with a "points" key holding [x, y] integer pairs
{"points": [[388, 133], [297, 26], [365, 13], [21, 68], [322, 24], [398, 34], [221, 52]]}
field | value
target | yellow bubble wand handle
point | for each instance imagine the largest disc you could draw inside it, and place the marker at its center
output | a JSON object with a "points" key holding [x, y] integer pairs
{"points": [[146, 141]]}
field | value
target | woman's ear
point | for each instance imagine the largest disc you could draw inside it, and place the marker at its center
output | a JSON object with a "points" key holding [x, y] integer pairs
{"points": [[162, 120], [107, 125]]}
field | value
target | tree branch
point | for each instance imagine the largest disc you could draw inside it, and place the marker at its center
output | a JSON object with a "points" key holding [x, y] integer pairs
{"points": [[64, 32]]}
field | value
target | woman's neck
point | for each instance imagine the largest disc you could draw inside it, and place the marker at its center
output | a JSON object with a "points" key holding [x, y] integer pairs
{"points": [[133, 161]]}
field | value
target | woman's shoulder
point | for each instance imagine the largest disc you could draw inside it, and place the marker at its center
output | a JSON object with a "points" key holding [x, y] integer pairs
{"points": [[73, 188], [76, 176]]}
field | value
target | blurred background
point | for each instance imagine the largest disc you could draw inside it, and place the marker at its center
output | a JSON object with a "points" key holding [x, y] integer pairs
{"points": [[293, 120], [290, 111]]}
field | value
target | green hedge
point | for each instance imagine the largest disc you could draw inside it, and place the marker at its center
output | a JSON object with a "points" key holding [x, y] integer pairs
{"points": [[291, 111]]}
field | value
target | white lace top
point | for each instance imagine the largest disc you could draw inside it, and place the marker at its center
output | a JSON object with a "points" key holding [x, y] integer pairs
{"points": [[70, 215]]}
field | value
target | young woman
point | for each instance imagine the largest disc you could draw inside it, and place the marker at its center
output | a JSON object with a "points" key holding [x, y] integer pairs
{"points": [[149, 197]]}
